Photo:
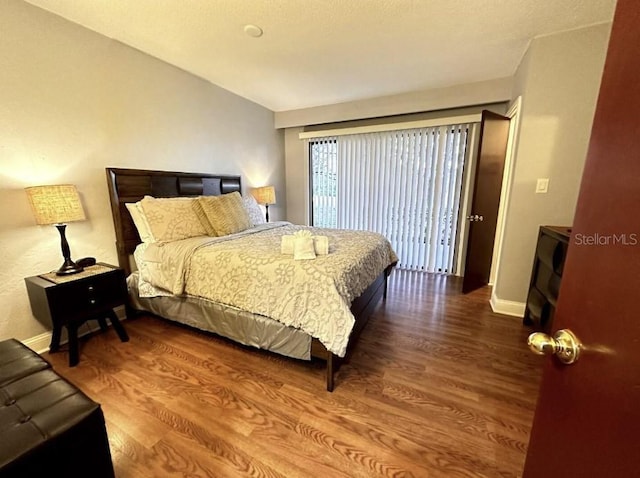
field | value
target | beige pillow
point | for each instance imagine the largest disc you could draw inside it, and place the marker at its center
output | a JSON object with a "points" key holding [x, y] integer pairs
{"points": [[137, 214], [171, 219], [199, 210], [225, 213]]}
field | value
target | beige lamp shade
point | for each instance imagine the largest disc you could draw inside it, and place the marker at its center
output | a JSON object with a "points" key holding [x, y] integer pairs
{"points": [[265, 195], [55, 204]]}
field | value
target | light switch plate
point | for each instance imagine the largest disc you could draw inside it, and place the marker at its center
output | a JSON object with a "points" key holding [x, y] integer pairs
{"points": [[542, 186]]}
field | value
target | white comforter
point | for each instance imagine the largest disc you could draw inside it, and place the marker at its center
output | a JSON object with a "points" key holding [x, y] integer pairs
{"points": [[247, 271]]}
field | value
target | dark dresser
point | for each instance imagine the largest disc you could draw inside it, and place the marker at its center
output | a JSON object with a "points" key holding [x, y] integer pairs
{"points": [[548, 264]]}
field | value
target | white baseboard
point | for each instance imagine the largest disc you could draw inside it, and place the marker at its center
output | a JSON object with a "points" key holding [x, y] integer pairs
{"points": [[507, 307], [40, 343]]}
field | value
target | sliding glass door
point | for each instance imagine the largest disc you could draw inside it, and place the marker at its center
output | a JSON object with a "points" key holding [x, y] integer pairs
{"points": [[403, 184]]}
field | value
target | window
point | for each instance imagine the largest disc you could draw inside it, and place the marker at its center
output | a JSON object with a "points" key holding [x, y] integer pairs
{"points": [[324, 182], [403, 184]]}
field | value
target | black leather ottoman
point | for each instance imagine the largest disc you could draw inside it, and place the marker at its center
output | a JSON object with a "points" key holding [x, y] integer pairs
{"points": [[47, 425]]}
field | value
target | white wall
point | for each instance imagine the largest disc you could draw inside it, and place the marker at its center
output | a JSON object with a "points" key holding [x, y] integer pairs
{"points": [[73, 102], [456, 96], [558, 79]]}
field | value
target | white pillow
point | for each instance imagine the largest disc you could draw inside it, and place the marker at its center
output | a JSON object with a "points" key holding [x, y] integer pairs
{"points": [[140, 221], [253, 210]]}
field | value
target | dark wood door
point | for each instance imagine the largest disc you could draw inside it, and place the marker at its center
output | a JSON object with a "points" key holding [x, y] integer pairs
{"points": [[494, 135], [587, 421]]}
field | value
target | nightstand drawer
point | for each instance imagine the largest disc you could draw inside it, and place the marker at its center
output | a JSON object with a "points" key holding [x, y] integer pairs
{"points": [[88, 296]]}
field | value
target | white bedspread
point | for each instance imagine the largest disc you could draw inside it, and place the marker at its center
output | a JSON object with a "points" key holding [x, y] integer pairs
{"points": [[247, 271]]}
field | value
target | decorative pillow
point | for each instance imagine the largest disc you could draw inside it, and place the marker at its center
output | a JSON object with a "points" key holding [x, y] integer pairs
{"points": [[171, 219], [253, 210], [137, 214], [225, 213], [199, 210]]}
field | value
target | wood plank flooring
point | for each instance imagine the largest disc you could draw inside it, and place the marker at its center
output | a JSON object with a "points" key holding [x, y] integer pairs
{"points": [[436, 386]]}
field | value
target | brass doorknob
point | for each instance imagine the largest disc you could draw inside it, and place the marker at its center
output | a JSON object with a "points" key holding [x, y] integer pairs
{"points": [[564, 345]]}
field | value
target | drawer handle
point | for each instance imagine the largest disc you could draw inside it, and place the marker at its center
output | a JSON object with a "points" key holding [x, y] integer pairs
{"points": [[90, 288], [92, 302]]}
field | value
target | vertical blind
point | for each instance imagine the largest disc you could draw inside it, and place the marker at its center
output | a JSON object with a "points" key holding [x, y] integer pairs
{"points": [[403, 184]]}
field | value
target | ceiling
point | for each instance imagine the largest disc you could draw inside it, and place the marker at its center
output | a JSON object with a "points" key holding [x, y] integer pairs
{"points": [[319, 52]]}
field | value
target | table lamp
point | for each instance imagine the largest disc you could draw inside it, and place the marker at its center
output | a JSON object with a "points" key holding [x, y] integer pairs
{"points": [[265, 195], [58, 205]]}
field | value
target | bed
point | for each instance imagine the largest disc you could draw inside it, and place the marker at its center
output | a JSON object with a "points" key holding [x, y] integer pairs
{"points": [[253, 325]]}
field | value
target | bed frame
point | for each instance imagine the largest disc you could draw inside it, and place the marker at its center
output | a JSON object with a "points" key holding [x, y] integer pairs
{"points": [[131, 185]]}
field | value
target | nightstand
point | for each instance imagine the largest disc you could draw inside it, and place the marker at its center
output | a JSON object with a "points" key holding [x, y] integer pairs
{"points": [[69, 301]]}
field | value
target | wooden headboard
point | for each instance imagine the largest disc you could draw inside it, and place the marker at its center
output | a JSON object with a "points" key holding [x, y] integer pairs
{"points": [[131, 185]]}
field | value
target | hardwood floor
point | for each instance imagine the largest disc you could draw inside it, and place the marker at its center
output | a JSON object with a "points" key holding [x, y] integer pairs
{"points": [[437, 385]]}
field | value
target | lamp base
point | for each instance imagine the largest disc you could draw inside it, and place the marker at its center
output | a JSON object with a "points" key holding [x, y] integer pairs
{"points": [[69, 267]]}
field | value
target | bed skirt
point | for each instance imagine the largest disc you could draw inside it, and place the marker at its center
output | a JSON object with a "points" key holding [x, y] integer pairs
{"points": [[238, 325]]}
